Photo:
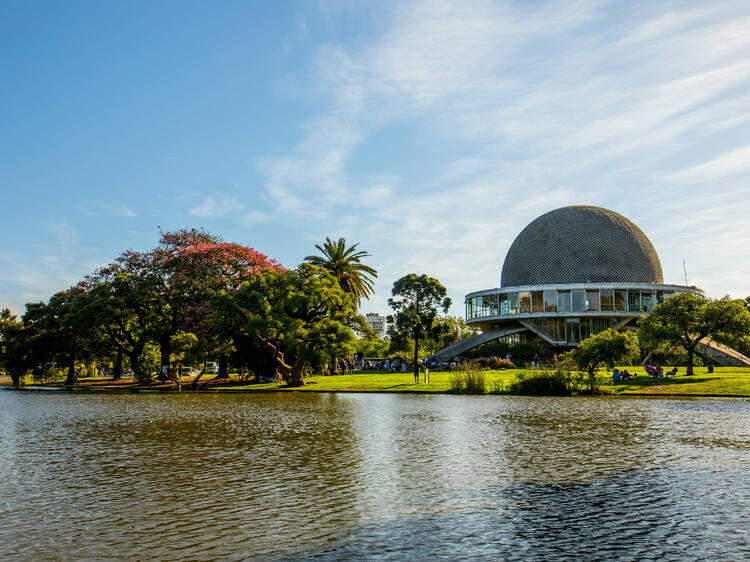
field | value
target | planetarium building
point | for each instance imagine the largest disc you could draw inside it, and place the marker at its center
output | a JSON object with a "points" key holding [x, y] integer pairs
{"points": [[571, 273]]}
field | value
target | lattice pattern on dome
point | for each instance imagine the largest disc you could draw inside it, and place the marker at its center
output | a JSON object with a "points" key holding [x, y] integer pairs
{"points": [[581, 244]]}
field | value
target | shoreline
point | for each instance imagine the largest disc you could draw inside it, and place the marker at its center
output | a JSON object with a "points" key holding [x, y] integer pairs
{"points": [[215, 390], [724, 382]]}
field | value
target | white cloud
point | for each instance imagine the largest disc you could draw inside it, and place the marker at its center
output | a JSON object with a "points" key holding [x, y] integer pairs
{"points": [[216, 206], [540, 105]]}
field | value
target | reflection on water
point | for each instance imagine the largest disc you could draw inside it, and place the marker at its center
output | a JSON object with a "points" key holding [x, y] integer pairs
{"points": [[355, 475]]}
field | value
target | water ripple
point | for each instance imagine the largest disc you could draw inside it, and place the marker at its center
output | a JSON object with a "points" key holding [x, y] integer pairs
{"points": [[185, 477]]}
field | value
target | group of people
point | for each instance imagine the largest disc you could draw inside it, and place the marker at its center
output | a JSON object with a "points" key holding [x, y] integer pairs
{"points": [[623, 375], [656, 371]]}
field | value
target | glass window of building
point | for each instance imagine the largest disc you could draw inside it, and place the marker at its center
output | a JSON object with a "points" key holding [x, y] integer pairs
{"points": [[608, 299], [647, 300], [537, 301], [504, 304], [487, 305], [513, 299], [578, 296], [563, 301], [661, 295], [592, 299], [550, 301], [585, 328], [634, 300], [524, 298], [621, 300], [572, 332]]}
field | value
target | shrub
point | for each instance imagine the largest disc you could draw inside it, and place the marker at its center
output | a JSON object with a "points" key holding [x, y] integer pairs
{"points": [[470, 380], [500, 363], [554, 381]]}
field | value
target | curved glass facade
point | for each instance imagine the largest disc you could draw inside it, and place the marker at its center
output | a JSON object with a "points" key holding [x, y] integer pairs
{"points": [[566, 300]]}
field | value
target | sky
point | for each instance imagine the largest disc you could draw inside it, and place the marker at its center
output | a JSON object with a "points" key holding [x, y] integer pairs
{"points": [[429, 132]]}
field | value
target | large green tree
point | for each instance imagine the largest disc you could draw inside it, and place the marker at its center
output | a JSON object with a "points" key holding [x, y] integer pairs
{"points": [[58, 335], [345, 264], [298, 315], [15, 346], [606, 348], [686, 318], [416, 301]]}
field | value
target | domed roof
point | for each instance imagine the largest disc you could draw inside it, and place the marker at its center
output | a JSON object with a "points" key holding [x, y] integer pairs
{"points": [[581, 244]]}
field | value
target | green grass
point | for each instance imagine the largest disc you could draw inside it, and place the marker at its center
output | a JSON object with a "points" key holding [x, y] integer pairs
{"points": [[726, 381], [381, 381]]}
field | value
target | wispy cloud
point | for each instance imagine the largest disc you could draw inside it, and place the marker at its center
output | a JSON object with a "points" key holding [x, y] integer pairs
{"points": [[539, 105], [216, 206]]}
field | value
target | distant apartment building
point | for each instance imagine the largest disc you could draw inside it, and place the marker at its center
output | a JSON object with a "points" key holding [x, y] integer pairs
{"points": [[377, 323]]}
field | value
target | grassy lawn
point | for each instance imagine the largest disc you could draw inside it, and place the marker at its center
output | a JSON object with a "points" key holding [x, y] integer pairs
{"points": [[385, 381], [723, 381]]}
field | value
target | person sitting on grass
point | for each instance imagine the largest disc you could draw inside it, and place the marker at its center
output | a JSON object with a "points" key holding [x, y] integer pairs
{"points": [[625, 374], [673, 372]]}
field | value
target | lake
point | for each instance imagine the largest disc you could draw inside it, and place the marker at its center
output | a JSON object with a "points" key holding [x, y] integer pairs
{"points": [[341, 476]]}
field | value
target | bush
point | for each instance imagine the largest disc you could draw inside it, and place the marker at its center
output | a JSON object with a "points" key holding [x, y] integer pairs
{"points": [[500, 363], [554, 381], [468, 381]]}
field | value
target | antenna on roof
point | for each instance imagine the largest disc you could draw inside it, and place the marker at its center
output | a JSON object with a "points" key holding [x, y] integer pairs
{"points": [[684, 269]]}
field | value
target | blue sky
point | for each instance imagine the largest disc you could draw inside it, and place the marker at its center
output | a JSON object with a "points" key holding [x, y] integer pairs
{"points": [[430, 132]]}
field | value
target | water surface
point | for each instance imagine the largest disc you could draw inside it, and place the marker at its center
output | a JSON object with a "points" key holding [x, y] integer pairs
{"points": [[279, 476]]}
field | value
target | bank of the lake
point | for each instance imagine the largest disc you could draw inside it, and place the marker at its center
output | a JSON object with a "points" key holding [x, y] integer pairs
{"points": [[723, 381]]}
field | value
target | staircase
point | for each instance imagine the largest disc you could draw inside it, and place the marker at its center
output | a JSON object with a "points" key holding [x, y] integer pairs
{"points": [[448, 353], [722, 354]]}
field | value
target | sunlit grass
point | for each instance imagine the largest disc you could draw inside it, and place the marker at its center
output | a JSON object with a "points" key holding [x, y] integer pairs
{"points": [[723, 381]]}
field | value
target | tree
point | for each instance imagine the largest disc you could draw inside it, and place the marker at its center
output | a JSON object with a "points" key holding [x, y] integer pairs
{"points": [[298, 315], [685, 319], [455, 330], [59, 337], [127, 306], [606, 348], [15, 349], [372, 346], [196, 265], [416, 306], [345, 264]]}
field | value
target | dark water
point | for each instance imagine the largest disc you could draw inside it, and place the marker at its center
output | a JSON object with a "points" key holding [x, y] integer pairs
{"points": [[346, 476]]}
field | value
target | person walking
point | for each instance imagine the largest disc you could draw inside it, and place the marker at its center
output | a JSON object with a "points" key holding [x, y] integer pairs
{"points": [[417, 371]]}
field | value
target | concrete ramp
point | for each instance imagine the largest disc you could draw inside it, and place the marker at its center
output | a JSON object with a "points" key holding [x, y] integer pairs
{"points": [[448, 353], [722, 354]]}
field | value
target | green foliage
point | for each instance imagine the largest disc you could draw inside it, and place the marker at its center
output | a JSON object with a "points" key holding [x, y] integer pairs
{"points": [[469, 380], [372, 346], [345, 264], [606, 348], [15, 348], [554, 381], [521, 354], [451, 329], [302, 316], [416, 301], [685, 319]]}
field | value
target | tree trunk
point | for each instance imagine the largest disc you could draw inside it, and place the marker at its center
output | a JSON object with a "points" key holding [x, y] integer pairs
{"points": [[223, 367], [72, 377], [689, 370], [140, 374], [165, 346], [117, 371]]}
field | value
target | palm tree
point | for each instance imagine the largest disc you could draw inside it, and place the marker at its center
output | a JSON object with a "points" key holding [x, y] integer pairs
{"points": [[344, 264]]}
